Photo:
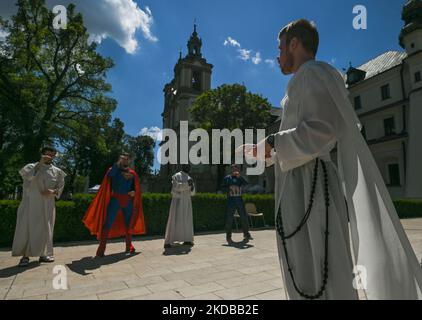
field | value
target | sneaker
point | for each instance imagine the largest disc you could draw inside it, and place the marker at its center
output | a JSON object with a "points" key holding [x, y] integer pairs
{"points": [[24, 262], [167, 246], [229, 239], [247, 237], [47, 259], [188, 244]]}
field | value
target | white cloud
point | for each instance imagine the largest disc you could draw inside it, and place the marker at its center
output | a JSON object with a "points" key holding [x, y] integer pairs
{"points": [[257, 59], [153, 132], [232, 42], [244, 54], [270, 62], [116, 19]]}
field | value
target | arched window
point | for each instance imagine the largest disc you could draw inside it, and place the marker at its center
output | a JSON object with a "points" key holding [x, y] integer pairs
{"points": [[196, 80]]}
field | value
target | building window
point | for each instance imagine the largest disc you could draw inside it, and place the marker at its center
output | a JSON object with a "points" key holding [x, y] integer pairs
{"points": [[196, 80], [394, 174], [389, 126], [418, 76], [358, 103], [385, 92]]}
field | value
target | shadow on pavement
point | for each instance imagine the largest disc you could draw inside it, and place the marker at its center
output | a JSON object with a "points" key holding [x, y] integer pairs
{"points": [[177, 250], [92, 263], [239, 245], [15, 270]]}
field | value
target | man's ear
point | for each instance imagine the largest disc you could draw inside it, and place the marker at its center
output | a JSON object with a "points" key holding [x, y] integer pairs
{"points": [[294, 42]]}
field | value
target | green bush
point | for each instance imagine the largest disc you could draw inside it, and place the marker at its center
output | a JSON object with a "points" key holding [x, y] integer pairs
{"points": [[407, 208], [8, 210], [208, 214]]}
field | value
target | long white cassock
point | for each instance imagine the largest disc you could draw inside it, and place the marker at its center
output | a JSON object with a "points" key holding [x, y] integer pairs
{"points": [[317, 115], [36, 212], [180, 221]]}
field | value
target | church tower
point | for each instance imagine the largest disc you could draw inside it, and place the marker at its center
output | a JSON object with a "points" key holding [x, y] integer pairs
{"points": [[411, 41], [192, 77]]}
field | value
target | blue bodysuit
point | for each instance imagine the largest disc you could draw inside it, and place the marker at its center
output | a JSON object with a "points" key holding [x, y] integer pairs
{"points": [[120, 200]]}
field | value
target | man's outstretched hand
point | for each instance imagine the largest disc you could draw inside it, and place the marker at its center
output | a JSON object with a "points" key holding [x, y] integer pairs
{"points": [[251, 150]]}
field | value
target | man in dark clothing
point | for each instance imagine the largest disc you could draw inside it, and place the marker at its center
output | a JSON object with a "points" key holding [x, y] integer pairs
{"points": [[232, 184]]}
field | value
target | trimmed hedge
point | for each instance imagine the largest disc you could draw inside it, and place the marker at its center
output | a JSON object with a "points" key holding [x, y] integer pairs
{"points": [[408, 208], [208, 214]]}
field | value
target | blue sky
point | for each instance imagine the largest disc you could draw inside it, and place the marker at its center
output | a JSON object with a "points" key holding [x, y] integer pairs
{"points": [[138, 79], [144, 37]]}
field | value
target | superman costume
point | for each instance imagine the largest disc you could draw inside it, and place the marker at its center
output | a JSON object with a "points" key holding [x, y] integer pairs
{"points": [[103, 218]]}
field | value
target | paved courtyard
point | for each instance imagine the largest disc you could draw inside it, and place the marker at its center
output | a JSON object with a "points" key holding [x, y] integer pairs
{"points": [[210, 270]]}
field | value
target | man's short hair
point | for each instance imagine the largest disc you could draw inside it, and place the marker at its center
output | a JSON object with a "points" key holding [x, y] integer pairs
{"points": [[46, 149], [125, 154], [235, 166], [303, 30]]}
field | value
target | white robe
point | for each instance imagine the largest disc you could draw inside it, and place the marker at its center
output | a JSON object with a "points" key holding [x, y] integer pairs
{"points": [[317, 115], [36, 212], [180, 221]]}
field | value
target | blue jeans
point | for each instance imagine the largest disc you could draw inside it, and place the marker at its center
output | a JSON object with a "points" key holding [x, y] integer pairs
{"points": [[233, 204]]}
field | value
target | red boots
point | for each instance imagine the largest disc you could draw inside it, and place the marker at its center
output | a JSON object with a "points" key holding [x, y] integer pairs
{"points": [[129, 246], [103, 242]]}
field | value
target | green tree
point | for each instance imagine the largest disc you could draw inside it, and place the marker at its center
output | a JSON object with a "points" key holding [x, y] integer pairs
{"points": [[230, 107], [91, 146], [142, 147], [49, 78]]}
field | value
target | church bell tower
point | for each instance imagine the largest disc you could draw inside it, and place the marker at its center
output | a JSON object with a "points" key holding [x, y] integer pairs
{"points": [[192, 77]]}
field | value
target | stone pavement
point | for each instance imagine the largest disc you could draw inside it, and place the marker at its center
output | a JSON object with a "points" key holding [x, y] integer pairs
{"points": [[210, 271]]}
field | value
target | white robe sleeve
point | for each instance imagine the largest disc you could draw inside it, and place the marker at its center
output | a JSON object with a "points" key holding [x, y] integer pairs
{"points": [[60, 183], [316, 133], [193, 192], [28, 173]]}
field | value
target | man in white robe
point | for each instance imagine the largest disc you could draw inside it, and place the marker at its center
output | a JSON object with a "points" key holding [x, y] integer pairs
{"points": [[42, 184], [316, 198], [180, 220]]}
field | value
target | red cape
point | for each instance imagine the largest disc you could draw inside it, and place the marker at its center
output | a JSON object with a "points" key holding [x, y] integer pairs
{"points": [[96, 214]]}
